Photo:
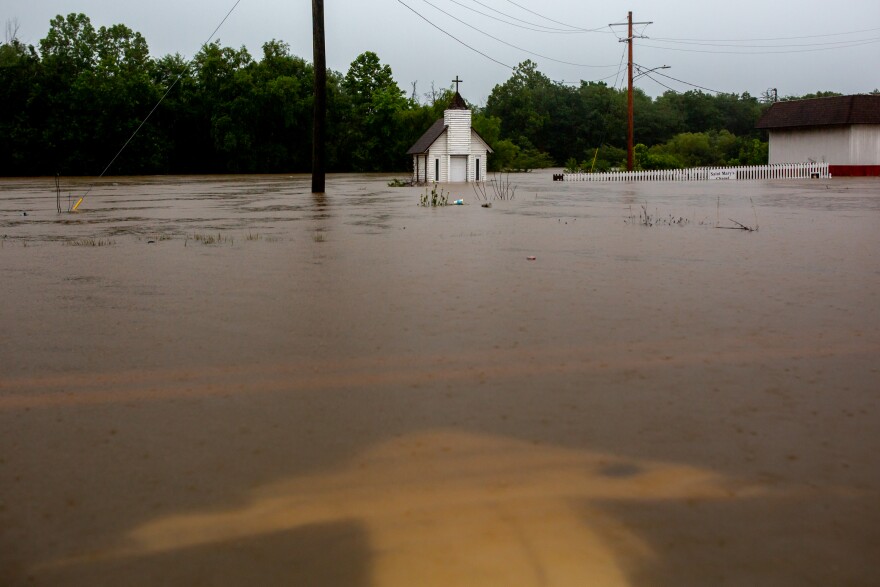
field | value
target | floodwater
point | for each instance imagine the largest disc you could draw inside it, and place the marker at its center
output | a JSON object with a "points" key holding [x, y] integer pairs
{"points": [[354, 390]]}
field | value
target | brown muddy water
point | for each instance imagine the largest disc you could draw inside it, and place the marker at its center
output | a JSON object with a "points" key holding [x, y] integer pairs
{"points": [[353, 390]]}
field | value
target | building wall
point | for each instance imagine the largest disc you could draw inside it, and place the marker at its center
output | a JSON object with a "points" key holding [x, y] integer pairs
{"points": [[865, 144], [450, 143], [458, 131], [479, 150], [837, 145], [823, 144], [438, 151], [421, 166]]}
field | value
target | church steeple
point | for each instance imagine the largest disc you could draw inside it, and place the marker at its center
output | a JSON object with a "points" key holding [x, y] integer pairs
{"points": [[457, 102], [451, 150]]}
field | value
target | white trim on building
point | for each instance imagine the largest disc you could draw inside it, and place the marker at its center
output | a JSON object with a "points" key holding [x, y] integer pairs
{"points": [[451, 150]]}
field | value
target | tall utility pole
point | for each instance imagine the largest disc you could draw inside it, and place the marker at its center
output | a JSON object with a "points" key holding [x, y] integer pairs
{"points": [[630, 134], [630, 143], [319, 118]]}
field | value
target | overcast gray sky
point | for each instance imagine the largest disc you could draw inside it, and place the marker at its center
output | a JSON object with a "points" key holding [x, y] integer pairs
{"points": [[746, 45]]}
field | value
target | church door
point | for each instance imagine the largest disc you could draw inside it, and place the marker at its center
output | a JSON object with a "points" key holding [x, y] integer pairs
{"points": [[458, 169]]}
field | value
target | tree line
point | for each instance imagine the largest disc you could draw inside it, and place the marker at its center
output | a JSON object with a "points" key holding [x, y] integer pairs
{"points": [[69, 105]]}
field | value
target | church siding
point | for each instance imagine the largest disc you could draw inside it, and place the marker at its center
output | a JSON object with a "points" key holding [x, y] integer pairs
{"points": [[449, 140], [438, 152], [458, 131]]}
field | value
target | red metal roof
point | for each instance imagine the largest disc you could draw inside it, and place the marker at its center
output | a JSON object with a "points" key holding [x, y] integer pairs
{"points": [[860, 109]]}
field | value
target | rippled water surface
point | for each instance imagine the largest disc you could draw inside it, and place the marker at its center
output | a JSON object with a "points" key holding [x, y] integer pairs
{"points": [[230, 381]]}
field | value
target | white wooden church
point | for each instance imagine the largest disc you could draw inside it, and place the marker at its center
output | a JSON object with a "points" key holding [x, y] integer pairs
{"points": [[451, 150]]}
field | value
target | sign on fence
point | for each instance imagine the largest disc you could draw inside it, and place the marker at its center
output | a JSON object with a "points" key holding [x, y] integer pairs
{"points": [[722, 174], [741, 173]]}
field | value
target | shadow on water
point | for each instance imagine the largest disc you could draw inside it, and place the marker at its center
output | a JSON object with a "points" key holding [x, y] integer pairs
{"points": [[698, 542], [335, 553]]}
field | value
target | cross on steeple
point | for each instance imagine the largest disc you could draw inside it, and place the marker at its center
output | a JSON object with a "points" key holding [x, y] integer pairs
{"points": [[457, 81]]}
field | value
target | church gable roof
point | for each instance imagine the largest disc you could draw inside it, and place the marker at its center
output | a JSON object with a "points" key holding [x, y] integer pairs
{"points": [[426, 140], [860, 109], [437, 129]]}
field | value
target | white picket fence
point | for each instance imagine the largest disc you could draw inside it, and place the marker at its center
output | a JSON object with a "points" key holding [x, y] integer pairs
{"points": [[746, 172]]}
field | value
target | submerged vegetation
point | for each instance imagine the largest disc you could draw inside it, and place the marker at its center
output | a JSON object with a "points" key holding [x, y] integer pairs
{"points": [[210, 239], [645, 218], [90, 242], [434, 198], [502, 188]]}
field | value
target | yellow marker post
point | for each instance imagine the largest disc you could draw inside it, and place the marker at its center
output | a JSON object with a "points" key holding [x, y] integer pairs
{"points": [[75, 206]]}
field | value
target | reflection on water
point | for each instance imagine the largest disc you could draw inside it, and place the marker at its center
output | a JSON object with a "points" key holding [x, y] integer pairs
{"points": [[349, 389]]}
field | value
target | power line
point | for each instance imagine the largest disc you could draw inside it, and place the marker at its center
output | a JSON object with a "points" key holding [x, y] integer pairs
{"points": [[689, 84], [569, 29], [543, 29], [719, 44], [616, 75], [589, 81], [620, 67], [647, 75], [475, 50], [165, 95], [854, 44], [644, 71], [511, 44], [601, 79], [596, 30], [772, 38], [453, 37]]}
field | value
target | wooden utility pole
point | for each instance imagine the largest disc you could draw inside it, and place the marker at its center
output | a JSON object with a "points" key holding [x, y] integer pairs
{"points": [[319, 118], [630, 135], [630, 159]]}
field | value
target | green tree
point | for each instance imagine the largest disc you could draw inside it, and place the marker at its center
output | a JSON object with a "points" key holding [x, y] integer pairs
{"points": [[121, 93], [70, 44], [225, 100], [63, 105], [373, 137], [521, 104], [811, 96], [506, 152], [282, 93], [20, 72]]}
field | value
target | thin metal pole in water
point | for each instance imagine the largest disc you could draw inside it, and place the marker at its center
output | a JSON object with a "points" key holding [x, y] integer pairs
{"points": [[319, 119]]}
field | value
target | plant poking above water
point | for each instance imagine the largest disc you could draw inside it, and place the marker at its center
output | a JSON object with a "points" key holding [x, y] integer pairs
{"points": [[209, 239], [502, 188], [90, 242], [645, 218], [434, 198], [740, 225]]}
